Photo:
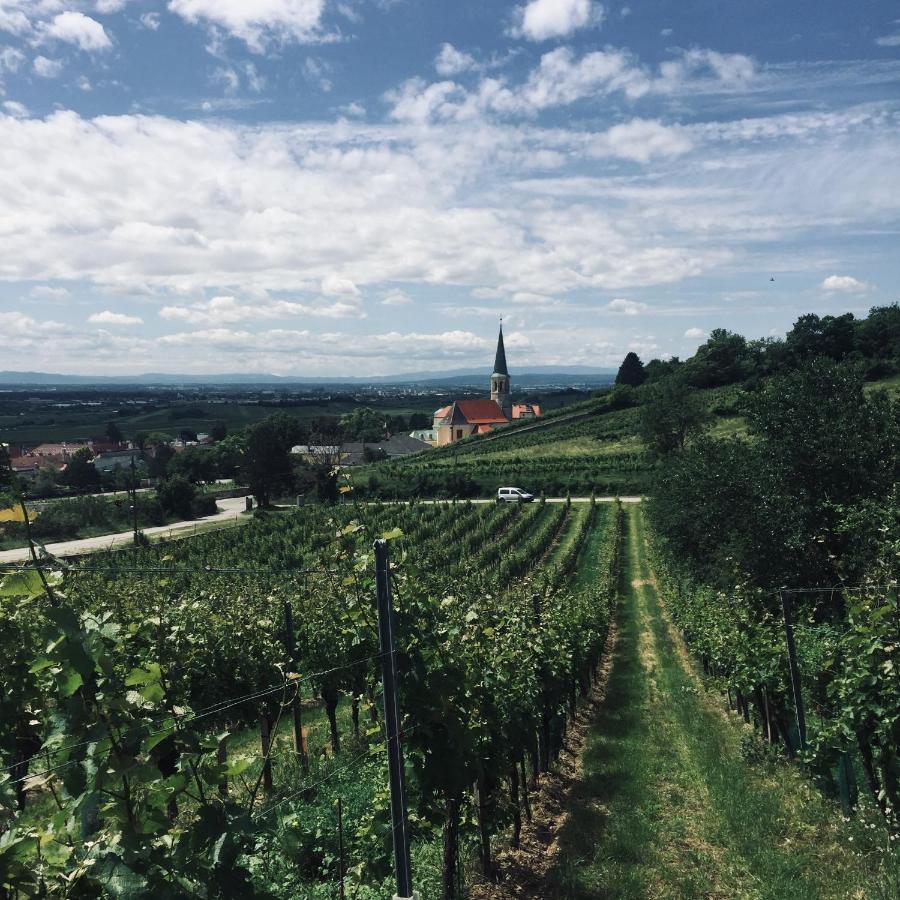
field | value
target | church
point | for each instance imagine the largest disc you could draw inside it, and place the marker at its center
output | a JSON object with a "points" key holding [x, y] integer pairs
{"points": [[464, 418]]}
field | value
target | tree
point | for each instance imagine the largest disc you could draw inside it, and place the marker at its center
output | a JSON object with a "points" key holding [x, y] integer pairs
{"points": [[268, 466], [374, 454], [229, 455], [80, 473], [363, 424], [672, 413], [775, 507], [6, 472], [197, 464], [219, 431], [631, 371], [831, 336], [158, 466], [114, 433], [176, 496], [657, 369], [723, 359]]}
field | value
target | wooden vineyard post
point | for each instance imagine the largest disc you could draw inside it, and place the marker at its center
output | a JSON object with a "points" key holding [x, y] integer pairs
{"points": [[794, 667], [266, 741], [290, 645], [544, 733], [399, 820], [222, 759], [340, 818]]}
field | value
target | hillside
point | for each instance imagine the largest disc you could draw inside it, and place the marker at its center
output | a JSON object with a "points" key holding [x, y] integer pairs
{"points": [[585, 447]]}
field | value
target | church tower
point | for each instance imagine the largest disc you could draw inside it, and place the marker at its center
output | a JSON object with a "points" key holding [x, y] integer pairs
{"points": [[500, 380]]}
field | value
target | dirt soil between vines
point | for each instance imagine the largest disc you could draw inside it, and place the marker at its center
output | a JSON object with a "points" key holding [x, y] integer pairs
{"points": [[525, 873]]}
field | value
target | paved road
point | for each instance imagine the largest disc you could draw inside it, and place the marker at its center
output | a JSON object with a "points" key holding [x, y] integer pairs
{"points": [[549, 500], [228, 509]]}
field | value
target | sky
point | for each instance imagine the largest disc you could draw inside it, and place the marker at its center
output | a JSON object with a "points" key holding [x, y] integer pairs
{"points": [[363, 187]]}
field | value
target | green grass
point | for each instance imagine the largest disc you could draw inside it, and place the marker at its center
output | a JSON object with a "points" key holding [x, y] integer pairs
{"points": [[669, 807]]}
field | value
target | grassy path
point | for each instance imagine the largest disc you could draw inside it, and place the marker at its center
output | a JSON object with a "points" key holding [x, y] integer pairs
{"points": [[667, 805]]}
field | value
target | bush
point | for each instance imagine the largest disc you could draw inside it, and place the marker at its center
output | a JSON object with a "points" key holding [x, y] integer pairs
{"points": [[177, 495], [205, 505]]}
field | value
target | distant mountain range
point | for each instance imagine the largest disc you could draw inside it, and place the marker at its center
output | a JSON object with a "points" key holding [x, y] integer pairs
{"points": [[533, 375]]}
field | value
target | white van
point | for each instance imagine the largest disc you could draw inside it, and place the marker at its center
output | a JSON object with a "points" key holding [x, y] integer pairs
{"points": [[514, 495]]}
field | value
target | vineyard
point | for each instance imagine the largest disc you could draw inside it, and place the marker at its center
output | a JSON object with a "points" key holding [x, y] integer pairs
{"points": [[204, 719]]}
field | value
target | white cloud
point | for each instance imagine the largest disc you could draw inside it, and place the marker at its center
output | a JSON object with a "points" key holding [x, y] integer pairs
{"points": [[540, 20], [316, 71], [562, 78], [354, 110], [451, 61], [626, 307], [642, 140], [11, 59], [107, 317], [321, 213], [336, 286], [15, 109], [889, 40], [396, 298], [150, 21], [78, 29], [105, 7], [47, 68], [695, 333], [227, 310], [261, 22], [844, 284], [46, 292]]}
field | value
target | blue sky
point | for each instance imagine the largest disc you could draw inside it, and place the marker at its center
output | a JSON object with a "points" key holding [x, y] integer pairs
{"points": [[332, 187]]}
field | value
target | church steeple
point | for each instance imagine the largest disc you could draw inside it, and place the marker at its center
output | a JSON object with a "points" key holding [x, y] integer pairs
{"points": [[500, 381], [500, 358]]}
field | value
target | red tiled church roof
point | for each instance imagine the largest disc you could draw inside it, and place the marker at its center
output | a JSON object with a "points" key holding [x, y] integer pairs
{"points": [[478, 412]]}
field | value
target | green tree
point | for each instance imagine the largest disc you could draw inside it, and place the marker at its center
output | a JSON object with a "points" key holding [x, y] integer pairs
{"points": [[176, 496], [363, 424], [219, 431], [80, 473], [114, 433], [268, 467], [671, 414], [197, 464], [831, 336], [723, 359], [6, 472], [158, 465], [631, 371]]}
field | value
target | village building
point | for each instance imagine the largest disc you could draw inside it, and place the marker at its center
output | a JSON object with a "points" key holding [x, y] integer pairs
{"points": [[465, 418]]}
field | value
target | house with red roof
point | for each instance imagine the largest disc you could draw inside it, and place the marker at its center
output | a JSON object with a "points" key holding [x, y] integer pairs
{"points": [[464, 418]]}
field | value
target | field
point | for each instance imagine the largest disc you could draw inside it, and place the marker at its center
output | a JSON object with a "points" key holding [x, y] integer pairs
{"points": [[488, 676]]}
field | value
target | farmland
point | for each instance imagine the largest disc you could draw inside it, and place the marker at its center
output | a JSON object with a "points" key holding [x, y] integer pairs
{"points": [[159, 655]]}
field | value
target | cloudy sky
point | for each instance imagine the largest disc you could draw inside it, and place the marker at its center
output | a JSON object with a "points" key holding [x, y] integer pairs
{"points": [[332, 187]]}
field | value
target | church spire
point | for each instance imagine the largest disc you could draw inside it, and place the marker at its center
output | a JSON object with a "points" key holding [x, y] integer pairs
{"points": [[500, 359], [500, 379]]}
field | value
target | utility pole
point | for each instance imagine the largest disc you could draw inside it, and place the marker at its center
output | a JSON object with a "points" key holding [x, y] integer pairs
{"points": [[399, 820]]}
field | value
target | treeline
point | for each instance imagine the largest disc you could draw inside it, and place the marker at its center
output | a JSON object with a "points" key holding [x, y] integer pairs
{"points": [[872, 344]]}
